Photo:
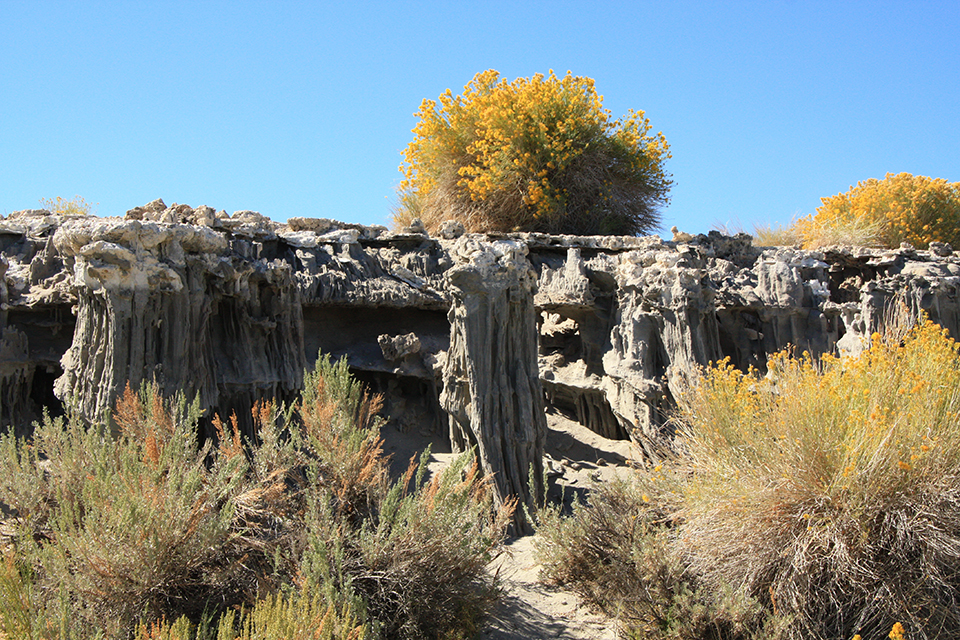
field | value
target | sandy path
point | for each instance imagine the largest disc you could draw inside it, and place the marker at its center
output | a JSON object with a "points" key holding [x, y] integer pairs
{"points": [[530, 610], [533, 610]]}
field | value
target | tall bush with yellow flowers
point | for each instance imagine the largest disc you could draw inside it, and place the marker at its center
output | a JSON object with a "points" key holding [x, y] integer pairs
{"points": [[900, 208], [535, 154], [829, 488]]}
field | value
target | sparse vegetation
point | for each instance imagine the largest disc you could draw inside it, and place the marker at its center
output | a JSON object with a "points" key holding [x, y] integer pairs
{"points": [[535, 154], [817, 501], [75, 206], [775, 235], [138, 530]]}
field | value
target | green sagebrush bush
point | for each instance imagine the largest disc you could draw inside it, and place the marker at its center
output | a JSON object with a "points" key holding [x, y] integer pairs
{"points": [[535, 154], [142, 531], [119, 526], [824, 497]]}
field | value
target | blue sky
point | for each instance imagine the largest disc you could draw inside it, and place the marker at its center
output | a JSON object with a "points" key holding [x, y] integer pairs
{"points": [[302, 109]]}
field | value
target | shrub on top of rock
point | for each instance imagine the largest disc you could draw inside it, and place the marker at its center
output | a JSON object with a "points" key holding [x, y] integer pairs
{"points": [[900, 208], [536, 154], [75, 206]]}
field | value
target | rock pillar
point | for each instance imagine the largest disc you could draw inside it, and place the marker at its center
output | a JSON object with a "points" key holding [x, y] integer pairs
{"points": [[171, 304], [491, 383]]}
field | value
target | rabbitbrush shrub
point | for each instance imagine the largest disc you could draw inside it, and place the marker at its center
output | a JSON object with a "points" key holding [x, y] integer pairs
{"points": [[827, 492], [900, 208], [535, 154], [831, 490], [141, 531]]}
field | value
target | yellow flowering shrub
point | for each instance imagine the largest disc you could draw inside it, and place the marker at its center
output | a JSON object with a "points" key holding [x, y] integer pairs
{"points": [[900, 208], [817, 500], [535, 154], [829, 488]]}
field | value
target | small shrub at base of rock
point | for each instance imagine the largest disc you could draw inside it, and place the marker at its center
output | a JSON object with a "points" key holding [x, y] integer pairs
{"points": [[618, 553], [116, 532]]}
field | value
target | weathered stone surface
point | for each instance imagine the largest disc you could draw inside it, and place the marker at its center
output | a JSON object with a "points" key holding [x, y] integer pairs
{"points": [[491, 383], [451, 229], [398, 347], [230, 309]]}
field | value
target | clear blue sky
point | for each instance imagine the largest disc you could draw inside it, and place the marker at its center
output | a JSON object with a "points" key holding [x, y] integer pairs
{"points": [[302, 109]]}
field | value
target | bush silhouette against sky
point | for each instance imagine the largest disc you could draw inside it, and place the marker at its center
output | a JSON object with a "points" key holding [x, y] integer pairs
{"points": [[900, 208]]}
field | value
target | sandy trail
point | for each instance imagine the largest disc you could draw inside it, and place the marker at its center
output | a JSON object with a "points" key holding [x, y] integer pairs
{"points": [[530, 610]]}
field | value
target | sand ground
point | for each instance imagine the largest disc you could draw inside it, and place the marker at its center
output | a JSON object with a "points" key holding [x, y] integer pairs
{"points": [[530, 610]]}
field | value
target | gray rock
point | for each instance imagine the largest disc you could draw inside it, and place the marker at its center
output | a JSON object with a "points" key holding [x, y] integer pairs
{"points": [[316, 225], [491, 383], [29, 213], [415, 226], [203, 216], [477, 330], [398, 347], [451, 229], [941, 249]]}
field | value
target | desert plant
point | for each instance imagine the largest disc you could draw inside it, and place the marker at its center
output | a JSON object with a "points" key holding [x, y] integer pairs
{"points": [[425, 559], [407, 557], [900, 208], [120, 526], [419, 560], [339, 429], [75, 206], [119, 530], [308, 614], [618, 552], [774, 235], [819, 500], [535, 154], [829, 489]]}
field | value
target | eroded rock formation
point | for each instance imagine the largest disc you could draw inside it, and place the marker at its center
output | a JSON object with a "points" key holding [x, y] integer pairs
{"points": [[491, 383], [464, 333]]}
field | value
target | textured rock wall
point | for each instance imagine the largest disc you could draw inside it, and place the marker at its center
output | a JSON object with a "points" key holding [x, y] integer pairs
{"points": [[179, 305], [468, 333], [491, 382]]}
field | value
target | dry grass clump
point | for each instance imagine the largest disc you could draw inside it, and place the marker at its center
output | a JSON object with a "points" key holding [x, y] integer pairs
{"points": [[826, 492], [775, 235], [75, 206], [142, 532], [811, 233]]}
